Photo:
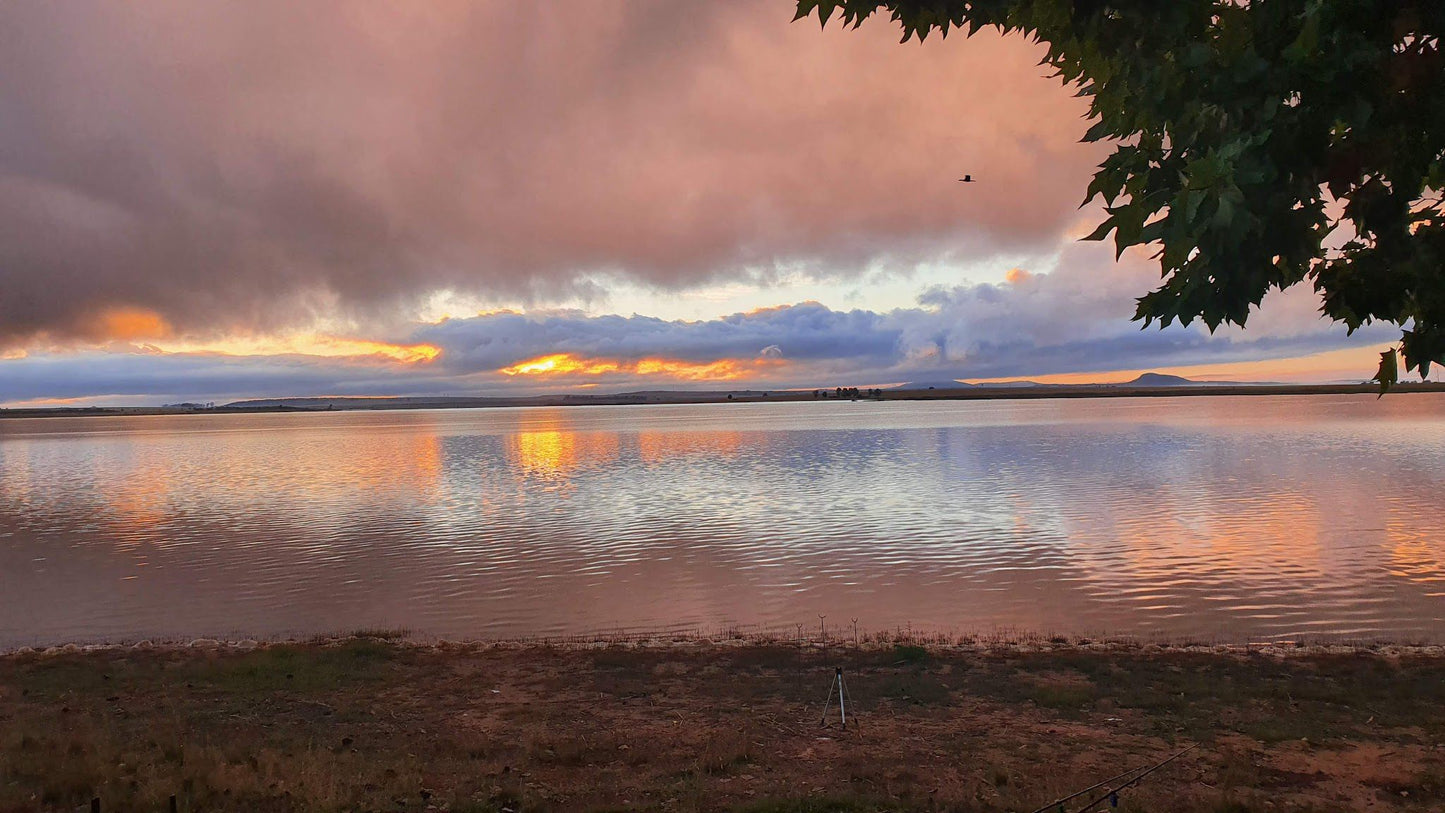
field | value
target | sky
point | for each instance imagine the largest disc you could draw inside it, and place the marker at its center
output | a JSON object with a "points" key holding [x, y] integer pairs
{"points": [[223, 200]]}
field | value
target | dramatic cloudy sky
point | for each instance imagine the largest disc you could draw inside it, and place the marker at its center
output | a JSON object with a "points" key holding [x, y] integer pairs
{"points": [[228, 199]]}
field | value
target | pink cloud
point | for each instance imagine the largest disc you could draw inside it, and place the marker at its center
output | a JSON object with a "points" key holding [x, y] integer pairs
{"points": [[249, 165]]}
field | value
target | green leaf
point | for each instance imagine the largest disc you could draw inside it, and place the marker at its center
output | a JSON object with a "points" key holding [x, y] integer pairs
{"points": [[1100, 130], [1101, 231], [1389, 372]]}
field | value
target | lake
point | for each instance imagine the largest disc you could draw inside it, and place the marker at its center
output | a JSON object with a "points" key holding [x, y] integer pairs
{"points": [[1224, 519]]}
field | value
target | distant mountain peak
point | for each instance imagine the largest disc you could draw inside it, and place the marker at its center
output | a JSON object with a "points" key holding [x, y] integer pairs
{"points": [[1160, 380]]}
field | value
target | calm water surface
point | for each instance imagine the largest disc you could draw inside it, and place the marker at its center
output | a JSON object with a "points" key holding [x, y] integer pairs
{"points": [[1231, 518]]}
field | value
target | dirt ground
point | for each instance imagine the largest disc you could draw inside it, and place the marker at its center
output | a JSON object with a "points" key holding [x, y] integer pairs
{"points": [[369, 724]]}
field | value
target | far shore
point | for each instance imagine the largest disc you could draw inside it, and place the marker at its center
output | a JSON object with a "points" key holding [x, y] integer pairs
{"points": [[370, 722], [962, 393], [997, 642]]}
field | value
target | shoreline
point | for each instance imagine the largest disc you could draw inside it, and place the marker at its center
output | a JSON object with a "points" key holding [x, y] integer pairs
{"points": [[973, 393], [937, 644]]}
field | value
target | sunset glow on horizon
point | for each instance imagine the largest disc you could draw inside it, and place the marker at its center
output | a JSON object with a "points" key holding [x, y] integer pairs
{"points": [[259, 245], [568, 364], [319, 346], [1334, 365]]}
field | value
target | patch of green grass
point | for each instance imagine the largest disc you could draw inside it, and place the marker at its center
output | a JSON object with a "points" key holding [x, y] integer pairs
{"points": [[1271, 730], [626, 658], [909, 654], [1424, 786], [771, 656], [831, 804], [50, 678], [1200, 695], [487, 806], [918, 688], [299, 669], [1063, 698]]}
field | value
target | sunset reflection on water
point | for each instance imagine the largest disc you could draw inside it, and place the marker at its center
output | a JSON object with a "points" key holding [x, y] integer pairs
{"points": [[1230, 518]]}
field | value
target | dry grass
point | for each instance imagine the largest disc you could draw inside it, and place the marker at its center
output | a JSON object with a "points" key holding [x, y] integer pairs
{"points": [[370, 724]]}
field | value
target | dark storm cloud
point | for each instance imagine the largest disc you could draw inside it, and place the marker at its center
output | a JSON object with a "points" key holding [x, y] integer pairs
{"points": [[248, 165]]}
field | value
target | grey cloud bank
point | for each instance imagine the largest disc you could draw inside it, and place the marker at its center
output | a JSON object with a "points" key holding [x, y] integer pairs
{"points": [[1072, 320]]}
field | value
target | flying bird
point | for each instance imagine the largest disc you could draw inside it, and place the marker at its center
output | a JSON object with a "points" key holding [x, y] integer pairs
{"points": [[966, 179]]}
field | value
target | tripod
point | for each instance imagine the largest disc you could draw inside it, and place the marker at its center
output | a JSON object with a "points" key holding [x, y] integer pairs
{"points": [[840, 688]]}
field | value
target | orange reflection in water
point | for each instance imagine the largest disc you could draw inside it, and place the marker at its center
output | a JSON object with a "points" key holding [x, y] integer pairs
{"points": [[1171, 536], [546, 453], [387, 466], [559, 452], [316, 465], [145, 486], [1283, 529], [1413, 556], [139, 501]]}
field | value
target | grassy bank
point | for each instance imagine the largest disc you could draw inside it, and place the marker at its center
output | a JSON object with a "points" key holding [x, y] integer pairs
{"points": [[368, 724]]}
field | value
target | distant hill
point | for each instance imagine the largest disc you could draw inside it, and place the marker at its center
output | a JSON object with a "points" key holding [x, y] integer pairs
{"points": [[1161, 380], [947, 384], [349, 402], [1009, 384], [964, 385], [1144, 380]]}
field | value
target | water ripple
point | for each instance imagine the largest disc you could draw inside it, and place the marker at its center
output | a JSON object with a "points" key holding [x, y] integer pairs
{"points": [[1245, 519]]}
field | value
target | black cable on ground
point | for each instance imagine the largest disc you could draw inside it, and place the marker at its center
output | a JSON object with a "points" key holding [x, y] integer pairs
{"points": [[1136, 779], [1055, 804]]}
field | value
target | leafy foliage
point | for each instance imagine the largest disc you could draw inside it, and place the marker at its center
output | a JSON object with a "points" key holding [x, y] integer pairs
{"points": [[1258, 145]]}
